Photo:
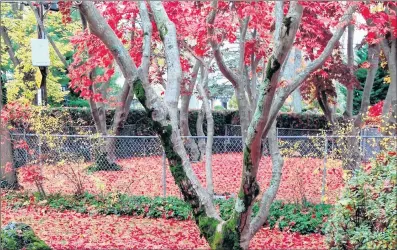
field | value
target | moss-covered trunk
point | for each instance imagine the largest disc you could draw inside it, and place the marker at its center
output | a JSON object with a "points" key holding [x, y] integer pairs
{"points": [[209, 227]]}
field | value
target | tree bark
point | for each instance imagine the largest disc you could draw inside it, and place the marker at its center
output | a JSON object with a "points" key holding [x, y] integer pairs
{"points": [[200, 129], [97, 25], [296, 95], [127, 93], [284, 36]]}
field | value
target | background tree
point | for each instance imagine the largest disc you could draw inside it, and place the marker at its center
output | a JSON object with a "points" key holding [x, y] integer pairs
{"points": [[381, 81], [17, 30]]}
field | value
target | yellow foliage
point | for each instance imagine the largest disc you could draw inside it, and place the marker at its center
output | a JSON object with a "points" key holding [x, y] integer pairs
{"points": [[21, 31], [387, 79]]}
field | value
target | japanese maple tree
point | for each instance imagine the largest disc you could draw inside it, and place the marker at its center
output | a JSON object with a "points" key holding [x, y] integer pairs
{"points": [[202, 27]]}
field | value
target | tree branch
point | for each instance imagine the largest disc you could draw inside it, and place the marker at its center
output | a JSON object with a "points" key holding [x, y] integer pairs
{"points": [[373, 58], [202, 87], [7, 41], [199, 199], [283, 94], [350, 61], [243, 33], [271, 192], [225, 70], [284, 36], [147, 28]]}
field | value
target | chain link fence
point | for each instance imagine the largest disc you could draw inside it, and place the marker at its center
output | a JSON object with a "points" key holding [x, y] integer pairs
{"points": [[136, 164]]}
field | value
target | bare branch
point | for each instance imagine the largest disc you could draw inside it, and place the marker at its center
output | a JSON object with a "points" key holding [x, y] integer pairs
{"points": [[225, 70], [350, 61], [167, 32], [7, 42]]}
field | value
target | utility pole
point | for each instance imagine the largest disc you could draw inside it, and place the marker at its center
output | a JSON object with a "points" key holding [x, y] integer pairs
{"points": [[43, 69]]}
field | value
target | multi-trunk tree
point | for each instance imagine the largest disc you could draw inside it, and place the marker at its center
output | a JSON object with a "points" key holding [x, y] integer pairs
{"points": [[169, 27]]}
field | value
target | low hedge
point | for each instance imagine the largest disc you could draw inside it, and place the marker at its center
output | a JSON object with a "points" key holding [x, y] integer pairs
{"points": [[137, 122], [303, 218]]}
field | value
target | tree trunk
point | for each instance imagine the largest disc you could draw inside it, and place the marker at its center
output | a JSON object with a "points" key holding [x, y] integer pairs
{"points": [[199, 128], [190, 143], [243, 110], [352, 159], [350, 61], [202, 87], [8, 174], [389, 115], [271, 192], [296, 95]]}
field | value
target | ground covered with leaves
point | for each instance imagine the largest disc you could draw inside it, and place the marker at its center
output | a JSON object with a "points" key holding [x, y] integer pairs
{"points": [[301, 179], [73, 230]]}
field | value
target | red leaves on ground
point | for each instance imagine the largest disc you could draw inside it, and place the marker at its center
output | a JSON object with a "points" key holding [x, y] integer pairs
{"points": [[143, 176], [71, 230]]}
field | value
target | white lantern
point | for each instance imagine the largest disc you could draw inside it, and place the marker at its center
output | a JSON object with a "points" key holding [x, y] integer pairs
{"points": [[40, 52]]}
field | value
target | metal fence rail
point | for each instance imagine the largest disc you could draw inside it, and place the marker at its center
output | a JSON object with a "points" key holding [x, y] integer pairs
{"points": [[144, 156]]}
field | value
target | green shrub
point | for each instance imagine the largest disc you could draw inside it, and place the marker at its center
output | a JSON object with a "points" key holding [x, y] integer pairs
{"points": [[17, 236], [366, 215], [306, 218]]}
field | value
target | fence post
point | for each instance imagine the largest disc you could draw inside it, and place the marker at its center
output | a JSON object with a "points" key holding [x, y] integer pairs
{"points": [[324, 180], [40, 163], [25, 151], [164, 176]]}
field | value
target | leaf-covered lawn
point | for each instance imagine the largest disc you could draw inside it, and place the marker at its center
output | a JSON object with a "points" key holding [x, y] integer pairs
{"points": [[302, 177], [70, 230]]}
